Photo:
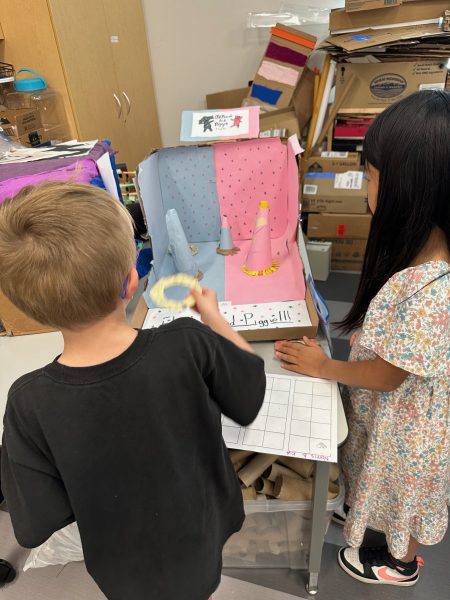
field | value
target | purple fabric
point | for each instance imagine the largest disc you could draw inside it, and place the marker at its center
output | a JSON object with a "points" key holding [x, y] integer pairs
{"points": [[286, 55], [10, 171], [82, 171]]}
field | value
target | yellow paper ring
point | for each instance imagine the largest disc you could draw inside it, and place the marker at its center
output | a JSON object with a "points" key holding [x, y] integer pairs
{"points": [[158, 291]]}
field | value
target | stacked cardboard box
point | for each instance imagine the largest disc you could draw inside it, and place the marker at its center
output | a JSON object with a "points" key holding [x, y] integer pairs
{"points": [[381, 52], [334, 197]]}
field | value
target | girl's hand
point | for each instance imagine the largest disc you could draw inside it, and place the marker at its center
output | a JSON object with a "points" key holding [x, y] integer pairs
{"points": [[306, 358]]}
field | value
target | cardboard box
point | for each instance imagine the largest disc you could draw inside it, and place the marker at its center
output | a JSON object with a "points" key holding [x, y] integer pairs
{"points": [[157, 201], [415, 12], [21, 121], [328, 225], [24, 125], [284, 121], [227, 99], [347, 254], [14, 322], [379, 85], [337, 162], [335, 192]]}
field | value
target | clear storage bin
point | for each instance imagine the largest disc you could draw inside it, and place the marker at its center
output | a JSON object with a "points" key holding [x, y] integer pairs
{"points": [[276, 534], [33, 92]]}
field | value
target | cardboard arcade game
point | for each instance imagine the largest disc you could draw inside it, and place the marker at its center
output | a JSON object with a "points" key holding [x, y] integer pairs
{"points": [[236, 205]]}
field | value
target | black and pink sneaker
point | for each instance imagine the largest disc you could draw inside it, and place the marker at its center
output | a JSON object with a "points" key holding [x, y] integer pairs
{"points": [[377, 565]]}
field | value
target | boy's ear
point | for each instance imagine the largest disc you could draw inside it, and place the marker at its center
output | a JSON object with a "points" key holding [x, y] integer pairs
{"points": [[133, 284]]}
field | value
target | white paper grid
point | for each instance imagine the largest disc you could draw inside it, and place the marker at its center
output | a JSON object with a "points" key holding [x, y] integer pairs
{"points": [[298, 418]]}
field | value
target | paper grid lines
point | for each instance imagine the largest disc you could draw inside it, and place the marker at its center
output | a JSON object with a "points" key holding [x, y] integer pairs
{"points": [[298, 418]]}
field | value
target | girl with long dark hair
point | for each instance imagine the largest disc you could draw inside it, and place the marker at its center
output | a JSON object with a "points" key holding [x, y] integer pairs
{"points": [[396, 462]]}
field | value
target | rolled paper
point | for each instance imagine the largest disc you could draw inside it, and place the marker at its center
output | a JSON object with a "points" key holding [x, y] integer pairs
{"points": [[303, 467], [288, 488], [248, 493], [255, 468], [238, 455], [264, 486], [259, 258], [334, 472], [178, 244], [275, 470]]}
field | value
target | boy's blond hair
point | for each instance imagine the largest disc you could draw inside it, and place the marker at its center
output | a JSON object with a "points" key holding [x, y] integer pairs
{"points": [[65, 252]]}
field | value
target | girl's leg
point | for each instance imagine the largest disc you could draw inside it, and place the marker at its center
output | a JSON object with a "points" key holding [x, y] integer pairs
{"points": [[412, 550]]}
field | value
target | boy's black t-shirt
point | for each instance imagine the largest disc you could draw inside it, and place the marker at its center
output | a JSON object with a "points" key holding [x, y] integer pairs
{"points": [[132, 450]]}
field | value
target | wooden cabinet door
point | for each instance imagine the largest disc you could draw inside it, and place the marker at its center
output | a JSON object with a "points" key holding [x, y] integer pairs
{"points": [[85, 48], [30, 42], [126, 28]]}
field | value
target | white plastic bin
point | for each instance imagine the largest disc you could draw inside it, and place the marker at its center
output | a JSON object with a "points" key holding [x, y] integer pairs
{"points": [[275, 535]]}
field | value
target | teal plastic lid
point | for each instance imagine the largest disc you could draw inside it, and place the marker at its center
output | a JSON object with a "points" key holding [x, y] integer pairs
{"points": [[29, 84]]}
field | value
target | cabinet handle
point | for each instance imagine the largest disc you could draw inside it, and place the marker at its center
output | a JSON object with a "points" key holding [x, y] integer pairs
{"points": [[119, 105], [128, 101]]}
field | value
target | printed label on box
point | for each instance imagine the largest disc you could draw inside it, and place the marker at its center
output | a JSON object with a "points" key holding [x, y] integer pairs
{"points": [[432, 86], [341, 230], [351, 180], [334, 154], [310, 189]]}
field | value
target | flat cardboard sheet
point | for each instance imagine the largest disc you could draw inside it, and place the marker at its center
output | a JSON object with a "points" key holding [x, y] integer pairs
{"points": [[369, 38], [227, 99], [406, 13]]}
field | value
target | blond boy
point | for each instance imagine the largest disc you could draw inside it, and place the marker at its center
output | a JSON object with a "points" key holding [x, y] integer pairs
{"points": [[122, 432]]}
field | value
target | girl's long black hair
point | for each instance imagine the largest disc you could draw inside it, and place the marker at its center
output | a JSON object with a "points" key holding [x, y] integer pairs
{"points": [[409, 144]]}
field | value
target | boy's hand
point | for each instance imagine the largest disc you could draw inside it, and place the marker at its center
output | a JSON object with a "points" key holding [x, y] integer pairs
{"points": [[306, 358], [206, 304]]}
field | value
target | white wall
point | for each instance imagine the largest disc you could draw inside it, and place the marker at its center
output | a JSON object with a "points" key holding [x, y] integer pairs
{"points": [[200, 47]]}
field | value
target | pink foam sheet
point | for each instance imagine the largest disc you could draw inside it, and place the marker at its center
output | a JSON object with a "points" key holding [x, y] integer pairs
{"points": [[246, 173]]}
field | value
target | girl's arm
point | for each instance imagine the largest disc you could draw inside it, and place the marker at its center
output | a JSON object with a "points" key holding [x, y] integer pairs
{"points": [[308, 358]]}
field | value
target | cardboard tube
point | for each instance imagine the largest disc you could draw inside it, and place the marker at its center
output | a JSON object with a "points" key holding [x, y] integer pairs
{"points": [[239, 465], [248, 493], [264, 486], [255, 468], [238, 455], [288, 488], [333, 490], [303, 467], [276, 469], [334, 472]]}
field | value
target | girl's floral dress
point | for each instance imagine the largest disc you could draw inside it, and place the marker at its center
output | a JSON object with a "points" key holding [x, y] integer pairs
{"points": [[396, 461]]}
